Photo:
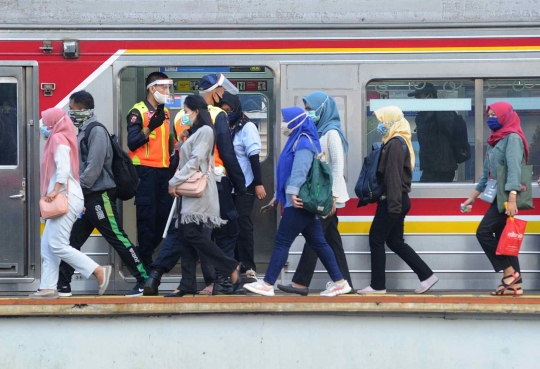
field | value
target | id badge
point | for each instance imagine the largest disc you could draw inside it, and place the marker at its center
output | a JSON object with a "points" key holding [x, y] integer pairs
{"points": [[490, 192]]}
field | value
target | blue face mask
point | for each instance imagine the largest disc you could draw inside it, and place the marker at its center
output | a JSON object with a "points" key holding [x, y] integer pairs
{"points": [[232, 117], [493, 123], [313, 115], [45, 131], [383, 129], [186, 121]]}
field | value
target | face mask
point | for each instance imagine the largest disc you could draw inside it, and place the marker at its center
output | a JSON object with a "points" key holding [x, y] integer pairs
{"points": [[285, 130], [45, 131], [493, 123], [186, 121], [232, 117], [382, 129], [78, 117], [313, 115], [160, 98]]}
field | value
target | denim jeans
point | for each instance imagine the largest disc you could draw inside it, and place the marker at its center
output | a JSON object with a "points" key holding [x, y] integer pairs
{"points": [[294, 222]]}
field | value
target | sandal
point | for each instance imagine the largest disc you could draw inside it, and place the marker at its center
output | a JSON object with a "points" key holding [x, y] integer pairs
{"points": [[207, 290], [513, 291], [505, 286]]}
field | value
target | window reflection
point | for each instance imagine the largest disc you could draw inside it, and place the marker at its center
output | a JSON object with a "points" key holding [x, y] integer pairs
{"points": [[441, 116], [8, 124]]}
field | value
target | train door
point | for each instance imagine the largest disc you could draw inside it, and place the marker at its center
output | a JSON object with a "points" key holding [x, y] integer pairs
{"points": [[15, 149], [256, 92]]}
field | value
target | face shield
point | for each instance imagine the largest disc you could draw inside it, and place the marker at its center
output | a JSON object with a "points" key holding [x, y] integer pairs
{"points": [[164, 93], [225, 83]]}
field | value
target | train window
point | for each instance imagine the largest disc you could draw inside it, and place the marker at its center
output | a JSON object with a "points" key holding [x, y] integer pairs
{"points": [[441, 116], [524, 96], [8, 122]]}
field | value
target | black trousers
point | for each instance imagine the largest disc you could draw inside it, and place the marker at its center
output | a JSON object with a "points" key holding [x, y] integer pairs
{"points": [[489, 233], [226, 235], [101, 214], [245, 243], [306, 265], [153, 204], [429, 176], [192, 244], [386, 229]]}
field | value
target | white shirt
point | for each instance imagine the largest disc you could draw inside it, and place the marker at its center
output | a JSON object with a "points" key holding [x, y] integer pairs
{"points": [[332, 146], [64, 172]]}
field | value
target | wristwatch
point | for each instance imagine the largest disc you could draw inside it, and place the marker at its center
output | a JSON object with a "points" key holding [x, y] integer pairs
{"points": [[513, 192]]}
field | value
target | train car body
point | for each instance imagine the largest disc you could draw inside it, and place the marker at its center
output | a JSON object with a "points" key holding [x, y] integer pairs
{"points": [[276, 53]]}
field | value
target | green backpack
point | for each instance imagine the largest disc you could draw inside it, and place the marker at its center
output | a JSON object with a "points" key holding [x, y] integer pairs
{"points": [[316, 192]]}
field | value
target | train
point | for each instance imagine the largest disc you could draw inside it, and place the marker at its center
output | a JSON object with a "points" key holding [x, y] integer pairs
{"points": [[365, 55]]}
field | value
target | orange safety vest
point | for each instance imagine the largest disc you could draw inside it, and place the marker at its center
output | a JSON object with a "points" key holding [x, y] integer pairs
{"points": [[178, 128], [155, 153]]}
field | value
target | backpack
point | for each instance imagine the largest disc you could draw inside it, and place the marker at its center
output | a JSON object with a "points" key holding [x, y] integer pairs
{"points": [[368, 189], [316, 192], [460, 141], [123, 171]]}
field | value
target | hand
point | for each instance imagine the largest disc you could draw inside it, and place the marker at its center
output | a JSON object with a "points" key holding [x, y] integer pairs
{"points": [[260, 192], [333, 211], [297, 202], [512, 209], [184, 134], [157, 119], [172, 192], [50, 196], [467, 202]]}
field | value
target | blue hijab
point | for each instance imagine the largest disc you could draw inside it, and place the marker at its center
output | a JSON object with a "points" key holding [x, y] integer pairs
{"points": [[326, 109], [295, 117]]}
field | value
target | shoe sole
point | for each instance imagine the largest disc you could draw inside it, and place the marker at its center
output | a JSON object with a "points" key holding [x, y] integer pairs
{"points": [[418, 292], [337, 293], [297, 292], [44, 297], [359, 292], [65, 294], [135, 295], [258, 292], [107, 271]]}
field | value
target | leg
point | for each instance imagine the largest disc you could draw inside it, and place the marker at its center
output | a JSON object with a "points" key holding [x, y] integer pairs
{"points": [[105, 217], [333, 238], [207, 268], [82, 229], [226, 235], [50, 260], [164, 203], [170, 253], [189, 258], [245, 242], [145, 203], [397, 244]]}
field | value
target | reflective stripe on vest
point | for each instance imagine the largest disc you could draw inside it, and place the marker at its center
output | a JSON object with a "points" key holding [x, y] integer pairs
{"points": [[178, 128], [155, 153]]}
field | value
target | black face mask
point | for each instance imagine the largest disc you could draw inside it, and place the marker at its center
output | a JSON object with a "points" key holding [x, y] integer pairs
{"points": [[217, 103]]}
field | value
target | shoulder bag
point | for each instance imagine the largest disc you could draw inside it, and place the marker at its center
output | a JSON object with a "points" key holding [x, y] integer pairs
{"points": [[195, 185], [56, 208]]}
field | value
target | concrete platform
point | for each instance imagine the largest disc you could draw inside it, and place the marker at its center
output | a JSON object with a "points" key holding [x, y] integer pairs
{"points": [[465, 304]]}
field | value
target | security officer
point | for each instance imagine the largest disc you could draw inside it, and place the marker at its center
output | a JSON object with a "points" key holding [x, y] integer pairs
{"points": [[149, 143], [228, 173]]}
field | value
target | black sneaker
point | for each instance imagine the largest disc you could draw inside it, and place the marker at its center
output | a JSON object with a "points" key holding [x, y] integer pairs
{"points": [[64, 291], [136, 291]]}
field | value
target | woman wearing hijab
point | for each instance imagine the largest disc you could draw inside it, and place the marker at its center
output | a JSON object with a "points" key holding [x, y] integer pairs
{"points": [[247, 147], [294, 164], [197, 153], [60, 174], [322, 109], [395, 172], [507, 146]]}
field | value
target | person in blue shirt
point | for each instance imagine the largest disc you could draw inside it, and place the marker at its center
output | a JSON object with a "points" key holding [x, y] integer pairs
{"points": [[247, 147]]}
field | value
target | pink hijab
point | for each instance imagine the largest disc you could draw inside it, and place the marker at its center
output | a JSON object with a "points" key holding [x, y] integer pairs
{"points": [[63, 133]]}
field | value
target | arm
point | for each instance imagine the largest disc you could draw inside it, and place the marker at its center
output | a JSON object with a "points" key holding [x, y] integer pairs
{"points": [[98, 145], [63, 169], [335, 151], [252, 143], [300, 169], [202, 146], [137, 136], [393, 174], [226, 152], [514, 157], [481, 185]]}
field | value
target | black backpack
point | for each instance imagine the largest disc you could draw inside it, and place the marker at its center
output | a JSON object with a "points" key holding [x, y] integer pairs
{"points": [[460, 141], [368, 189], [123, 171]]}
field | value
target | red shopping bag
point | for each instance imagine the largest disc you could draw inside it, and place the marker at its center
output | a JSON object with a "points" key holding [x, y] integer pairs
{"points": [[511, 237]]}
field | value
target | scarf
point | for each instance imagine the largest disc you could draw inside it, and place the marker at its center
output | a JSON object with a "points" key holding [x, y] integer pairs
{"points": [[510, 124], [62, 133], [294, 116], [401, 127], [328, 115]]}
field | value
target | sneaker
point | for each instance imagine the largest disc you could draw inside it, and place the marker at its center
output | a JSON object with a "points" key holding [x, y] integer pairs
{"points": [[64, 291], [137, 291], [368, 291], [260, 288], [40, 295], [427, 284], [251, 276], [335, 289]]}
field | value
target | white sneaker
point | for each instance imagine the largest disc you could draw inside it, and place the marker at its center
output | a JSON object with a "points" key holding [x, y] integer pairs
{"points": [[260, 288], [107, 270], [368, 291], [335, 289], [427, 284]]}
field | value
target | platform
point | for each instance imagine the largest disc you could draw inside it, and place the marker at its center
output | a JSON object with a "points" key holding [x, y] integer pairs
{"points": [[279, 304]]}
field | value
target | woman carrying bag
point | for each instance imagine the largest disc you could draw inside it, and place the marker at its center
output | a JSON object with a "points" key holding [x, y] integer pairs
{"points": [[196, 157], [508, 149], [60, 179], [294, 164]]}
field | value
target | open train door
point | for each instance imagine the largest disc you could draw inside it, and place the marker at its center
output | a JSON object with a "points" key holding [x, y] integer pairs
{"points": [[19, 176]]}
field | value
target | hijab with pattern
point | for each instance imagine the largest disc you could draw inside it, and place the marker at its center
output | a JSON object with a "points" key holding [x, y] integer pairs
{"points": [[400, 127]]}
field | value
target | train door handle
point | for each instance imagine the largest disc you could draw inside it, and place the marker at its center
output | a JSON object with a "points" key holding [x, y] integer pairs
{"points": [[21, 196]]}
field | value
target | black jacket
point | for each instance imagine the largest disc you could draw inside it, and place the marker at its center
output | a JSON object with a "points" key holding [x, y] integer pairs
{"points": [[434, 130]]}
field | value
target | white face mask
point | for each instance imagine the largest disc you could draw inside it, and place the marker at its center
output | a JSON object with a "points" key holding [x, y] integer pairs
{"points": [[285, 129], [160, 98], [285, 125]]}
